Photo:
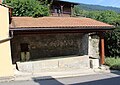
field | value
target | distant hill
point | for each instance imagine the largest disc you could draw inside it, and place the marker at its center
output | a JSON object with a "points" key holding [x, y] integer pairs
{"points": [[98, 7]]}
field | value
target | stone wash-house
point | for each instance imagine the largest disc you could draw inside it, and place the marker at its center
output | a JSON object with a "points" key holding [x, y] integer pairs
{"points": [[62, 41]]}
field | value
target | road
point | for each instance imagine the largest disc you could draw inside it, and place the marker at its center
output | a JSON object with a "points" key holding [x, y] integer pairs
{"points": [[96, 79]]}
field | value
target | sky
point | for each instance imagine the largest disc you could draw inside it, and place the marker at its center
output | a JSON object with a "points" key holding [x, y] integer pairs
{"points": [[113, 3]]}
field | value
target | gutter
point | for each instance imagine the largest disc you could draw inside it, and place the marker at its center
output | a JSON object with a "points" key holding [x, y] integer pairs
{"points": [[62, 28], [9, 38]]}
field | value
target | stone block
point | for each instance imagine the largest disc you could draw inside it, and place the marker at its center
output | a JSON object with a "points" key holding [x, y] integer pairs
{"points": [[37, 66], [25, 66], [94, 63], [74, 62]]}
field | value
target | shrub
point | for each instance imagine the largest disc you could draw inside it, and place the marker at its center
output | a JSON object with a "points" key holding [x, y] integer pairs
{"points": [[113, 63]]}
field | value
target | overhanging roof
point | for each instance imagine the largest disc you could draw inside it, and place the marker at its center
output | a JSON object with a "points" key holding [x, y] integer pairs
{"points": [[67, 1], [57, 23]]}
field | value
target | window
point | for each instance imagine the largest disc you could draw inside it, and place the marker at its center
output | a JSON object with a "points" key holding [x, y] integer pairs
{"points": [[57, 9]]}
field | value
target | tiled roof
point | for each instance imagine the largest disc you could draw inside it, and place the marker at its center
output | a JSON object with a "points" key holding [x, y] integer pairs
{"points": [[57, 22]]}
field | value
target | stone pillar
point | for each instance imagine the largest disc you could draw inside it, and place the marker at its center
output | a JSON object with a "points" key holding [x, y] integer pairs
{"points": [[94, 50], [93, 46]]}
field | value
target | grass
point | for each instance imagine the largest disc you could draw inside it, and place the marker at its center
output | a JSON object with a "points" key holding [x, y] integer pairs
{"points": [[113, 63]]}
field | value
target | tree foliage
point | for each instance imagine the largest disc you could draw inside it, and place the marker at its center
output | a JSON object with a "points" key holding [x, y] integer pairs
{"points": [[98, 7], [112, 40], [32, 8]]}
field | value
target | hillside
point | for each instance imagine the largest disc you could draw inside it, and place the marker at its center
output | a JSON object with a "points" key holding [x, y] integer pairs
{"points": [[98, 7]]}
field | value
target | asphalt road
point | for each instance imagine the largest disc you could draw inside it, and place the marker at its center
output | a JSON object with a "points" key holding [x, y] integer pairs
{"points": [[97, 79]]}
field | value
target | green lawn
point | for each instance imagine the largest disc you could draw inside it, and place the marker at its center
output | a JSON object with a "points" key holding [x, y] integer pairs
{"points": [[114, 63]]}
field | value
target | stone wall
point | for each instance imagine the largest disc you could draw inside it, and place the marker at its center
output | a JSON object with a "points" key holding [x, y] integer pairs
{"points": [[42, 46]]}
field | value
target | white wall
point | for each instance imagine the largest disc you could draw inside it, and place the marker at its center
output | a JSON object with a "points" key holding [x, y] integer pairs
{"points": [[5, 50]]}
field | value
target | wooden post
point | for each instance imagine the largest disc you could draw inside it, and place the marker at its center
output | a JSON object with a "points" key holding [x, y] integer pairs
{"points": [[0, 1], [62, 10], [102, 49], [72, 6], [10, 15]]}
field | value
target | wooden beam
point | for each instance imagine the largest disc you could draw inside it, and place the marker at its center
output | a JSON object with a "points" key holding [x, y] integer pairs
{"points": [[102, 49]]}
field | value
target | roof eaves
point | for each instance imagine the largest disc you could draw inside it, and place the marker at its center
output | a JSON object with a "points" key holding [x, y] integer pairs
{"points": [[65, 28], [69, 2]]}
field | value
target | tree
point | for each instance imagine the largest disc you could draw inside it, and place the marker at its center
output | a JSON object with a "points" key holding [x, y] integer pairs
{"points": [[108, 16], [80, 12], [112, 40], [32, 8], [94, 14]]}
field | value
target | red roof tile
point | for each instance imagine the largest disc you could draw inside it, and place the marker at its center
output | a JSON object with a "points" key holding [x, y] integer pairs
{"points": [[56, 22]]}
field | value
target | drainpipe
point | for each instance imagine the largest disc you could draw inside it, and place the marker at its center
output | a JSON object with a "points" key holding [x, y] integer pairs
{"points": [[9, 38]]}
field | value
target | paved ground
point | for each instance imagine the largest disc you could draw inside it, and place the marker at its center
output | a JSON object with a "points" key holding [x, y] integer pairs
{"points": [[93, 79], [47, 75]]}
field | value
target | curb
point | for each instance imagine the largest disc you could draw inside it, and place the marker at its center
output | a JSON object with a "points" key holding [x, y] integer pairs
{"points": [[53, 76]]}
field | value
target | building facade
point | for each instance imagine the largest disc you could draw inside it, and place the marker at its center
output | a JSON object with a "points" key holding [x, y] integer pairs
{"points": [[6, 68]]}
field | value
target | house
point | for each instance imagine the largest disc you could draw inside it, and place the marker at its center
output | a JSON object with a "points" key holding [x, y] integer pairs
{"points": [[62, 8], [5, 50], [56, 42]]}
